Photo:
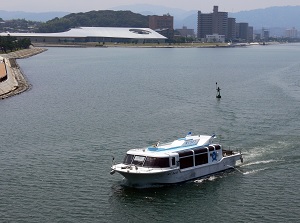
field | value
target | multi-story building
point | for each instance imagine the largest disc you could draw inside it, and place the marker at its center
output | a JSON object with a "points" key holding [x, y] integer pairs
{"points": [[231, 29], [204, 26], [215, 38], [291, 33], [242, 31], [265, 34], [212, 23], [185, 32], [250, 34], [163, 25]]}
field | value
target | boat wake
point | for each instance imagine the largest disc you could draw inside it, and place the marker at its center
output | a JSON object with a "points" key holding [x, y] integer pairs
{"points": [[259, 162], [286, 79], [210, 178], [254, 171]]}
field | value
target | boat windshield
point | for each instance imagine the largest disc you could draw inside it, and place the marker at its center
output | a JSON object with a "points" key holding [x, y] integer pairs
{"points": [[138, 160], [153, 162], [128, 159]]}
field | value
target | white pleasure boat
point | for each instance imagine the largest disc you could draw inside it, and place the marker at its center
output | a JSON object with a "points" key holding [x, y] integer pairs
{"points": [[187, 158]]}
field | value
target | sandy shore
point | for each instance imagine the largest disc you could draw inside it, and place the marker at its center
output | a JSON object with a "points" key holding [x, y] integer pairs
{"points": [[16, 82]]}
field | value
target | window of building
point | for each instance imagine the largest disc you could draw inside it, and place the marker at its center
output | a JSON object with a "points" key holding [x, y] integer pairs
{"points": [[140, 31]]}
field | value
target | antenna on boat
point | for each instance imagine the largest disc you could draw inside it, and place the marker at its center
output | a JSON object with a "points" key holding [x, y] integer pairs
{"points": [[218, 91]]}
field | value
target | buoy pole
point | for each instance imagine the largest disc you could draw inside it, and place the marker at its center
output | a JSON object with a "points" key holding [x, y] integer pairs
{"points": [[218, 91]]}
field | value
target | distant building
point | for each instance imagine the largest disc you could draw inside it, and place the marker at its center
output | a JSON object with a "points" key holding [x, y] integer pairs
{"points": [[215, 38], [212, 23], [250, 34], [220, 22], [265, 34], [185, 32], [257, 36], [291, 33], [242, 31], [204, 26], [231, 29], [163, 25], [95, 34]]}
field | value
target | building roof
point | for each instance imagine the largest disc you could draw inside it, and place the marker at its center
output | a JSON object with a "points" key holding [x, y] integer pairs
{"points": [[111, 32]]}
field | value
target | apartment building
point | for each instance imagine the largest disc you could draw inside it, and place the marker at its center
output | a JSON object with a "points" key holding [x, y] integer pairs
{"points": [[163, 25], [212, 23]]}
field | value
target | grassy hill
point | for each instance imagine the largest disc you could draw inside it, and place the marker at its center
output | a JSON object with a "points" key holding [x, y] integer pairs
{"points": [[107, 18]]}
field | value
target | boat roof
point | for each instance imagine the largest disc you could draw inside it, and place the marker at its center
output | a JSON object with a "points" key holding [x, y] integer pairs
{"points": [[188, 142]]}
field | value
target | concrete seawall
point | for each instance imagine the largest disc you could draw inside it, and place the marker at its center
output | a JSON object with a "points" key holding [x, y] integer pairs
{"points": [[3, 73], [16, 83]]}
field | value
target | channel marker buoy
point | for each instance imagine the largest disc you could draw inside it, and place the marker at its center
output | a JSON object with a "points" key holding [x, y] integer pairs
{"points": [[218, 91]]}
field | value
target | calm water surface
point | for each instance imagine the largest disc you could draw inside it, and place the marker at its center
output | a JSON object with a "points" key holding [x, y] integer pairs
{"points": [[85, 105]]}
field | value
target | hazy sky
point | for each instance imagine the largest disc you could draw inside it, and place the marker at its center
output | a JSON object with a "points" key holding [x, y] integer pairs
{"points": [[88, 5]]}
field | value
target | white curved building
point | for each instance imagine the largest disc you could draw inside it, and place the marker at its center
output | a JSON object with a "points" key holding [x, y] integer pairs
{"points": [[95, 34]]}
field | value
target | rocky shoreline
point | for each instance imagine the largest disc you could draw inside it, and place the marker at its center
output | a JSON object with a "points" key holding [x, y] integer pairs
{"points": [[17, 82]]}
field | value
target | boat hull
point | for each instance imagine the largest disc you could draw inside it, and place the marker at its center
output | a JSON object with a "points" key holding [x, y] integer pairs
{"points": [[170, 176]]}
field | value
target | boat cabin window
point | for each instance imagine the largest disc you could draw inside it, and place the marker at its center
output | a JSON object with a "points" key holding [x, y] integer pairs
{"points": [[186, 162], [128, 159], [201, 159], [186, 159], [200, 150], [185, 153], [211, 148], [138, 160], [217, 147], [157, 162], [173, 161]]}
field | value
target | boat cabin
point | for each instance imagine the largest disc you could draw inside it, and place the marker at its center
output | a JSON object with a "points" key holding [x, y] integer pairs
{"points": [[180, 157]]}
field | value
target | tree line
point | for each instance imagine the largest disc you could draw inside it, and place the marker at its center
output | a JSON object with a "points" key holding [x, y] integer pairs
{"points": [[9, 43]]}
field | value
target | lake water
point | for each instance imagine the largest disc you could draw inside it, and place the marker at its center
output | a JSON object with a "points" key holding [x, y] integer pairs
{"points": [[89, 104]]}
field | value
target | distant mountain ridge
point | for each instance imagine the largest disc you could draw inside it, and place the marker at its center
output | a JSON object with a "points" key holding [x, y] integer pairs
{"points": [[281, 17], [284, 16], [32, 16]]}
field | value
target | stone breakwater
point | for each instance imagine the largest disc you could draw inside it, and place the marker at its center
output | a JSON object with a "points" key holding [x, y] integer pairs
{"points": [[16, 82]]}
